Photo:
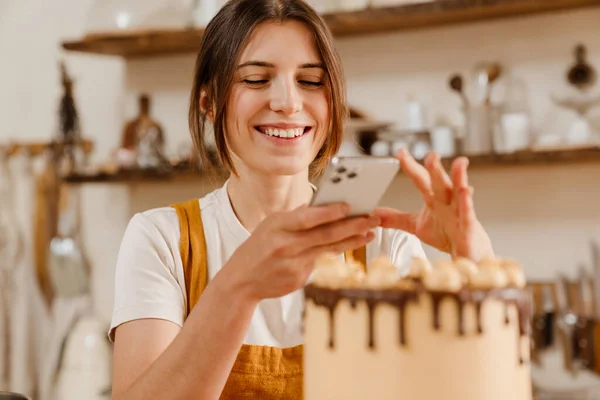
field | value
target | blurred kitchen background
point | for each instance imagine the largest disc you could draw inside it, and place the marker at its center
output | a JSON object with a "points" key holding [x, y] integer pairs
{"points": [[93, 128]]}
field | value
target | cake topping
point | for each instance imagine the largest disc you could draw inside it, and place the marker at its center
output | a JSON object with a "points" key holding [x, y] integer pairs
{"points": [[419, 268], [489, 276], [467, 268], [381, 273], [515, 274], [444, 277], [331, 272], [452, 276]]}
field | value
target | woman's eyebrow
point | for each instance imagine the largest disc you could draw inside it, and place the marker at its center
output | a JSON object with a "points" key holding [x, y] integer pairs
{"points": [[256, 64], [312, 65], [265, 64]]}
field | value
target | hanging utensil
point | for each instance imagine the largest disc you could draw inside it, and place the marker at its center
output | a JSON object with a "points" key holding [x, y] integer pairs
{"points": [[457, 84], [486, 74], [11, 248], [67, 265], [493, 73]]}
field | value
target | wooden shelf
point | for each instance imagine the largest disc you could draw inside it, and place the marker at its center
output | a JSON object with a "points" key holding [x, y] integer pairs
{"points": [[523, 158], [146, 43], [38, 148], [528, 157], [136, 177]]}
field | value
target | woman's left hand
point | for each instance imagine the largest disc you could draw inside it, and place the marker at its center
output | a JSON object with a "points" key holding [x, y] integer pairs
{"points": [[447, 221]]}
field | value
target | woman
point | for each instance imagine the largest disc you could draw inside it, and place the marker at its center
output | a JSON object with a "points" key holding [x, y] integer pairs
{"points": [[270, 82]]}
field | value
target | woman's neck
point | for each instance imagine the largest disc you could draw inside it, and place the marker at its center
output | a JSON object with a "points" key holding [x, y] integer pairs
{"points": [[255, 196]]}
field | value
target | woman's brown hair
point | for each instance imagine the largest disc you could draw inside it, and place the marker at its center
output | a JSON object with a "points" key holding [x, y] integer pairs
{"points": [[225, 38]]}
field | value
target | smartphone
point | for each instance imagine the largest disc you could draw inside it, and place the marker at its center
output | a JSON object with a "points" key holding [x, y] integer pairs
{"points": [[360, 181]]}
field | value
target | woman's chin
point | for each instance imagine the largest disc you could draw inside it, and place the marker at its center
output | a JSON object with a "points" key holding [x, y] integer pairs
{"points": [[287, 168]]}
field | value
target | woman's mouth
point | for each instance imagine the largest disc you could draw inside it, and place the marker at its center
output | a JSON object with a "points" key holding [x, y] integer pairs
{"points": [[284, 133]]}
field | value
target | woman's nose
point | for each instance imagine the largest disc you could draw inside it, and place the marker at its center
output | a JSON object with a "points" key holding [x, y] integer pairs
{"points": [[285, 97]]}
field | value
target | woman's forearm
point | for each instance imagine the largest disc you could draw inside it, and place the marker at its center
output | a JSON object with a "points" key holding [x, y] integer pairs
{"points": [[197, 363]]}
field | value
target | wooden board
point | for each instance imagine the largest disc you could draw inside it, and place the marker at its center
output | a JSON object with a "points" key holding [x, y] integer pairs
{"points": [[144, 43]]}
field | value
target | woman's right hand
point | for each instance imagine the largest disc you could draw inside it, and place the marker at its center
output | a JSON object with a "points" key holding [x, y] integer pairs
{"points": [[279, 256]]}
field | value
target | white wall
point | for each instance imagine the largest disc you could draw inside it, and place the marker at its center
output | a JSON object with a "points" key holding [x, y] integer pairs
{"points": [[543, 216]]}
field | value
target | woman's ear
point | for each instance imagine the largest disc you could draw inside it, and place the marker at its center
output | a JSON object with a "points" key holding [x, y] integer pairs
{"points": [[206, 106]]}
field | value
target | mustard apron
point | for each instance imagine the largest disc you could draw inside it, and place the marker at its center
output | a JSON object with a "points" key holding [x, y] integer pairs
{"points": [[259, 372]]}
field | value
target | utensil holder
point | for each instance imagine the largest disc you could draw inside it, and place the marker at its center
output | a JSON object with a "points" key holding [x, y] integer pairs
{"points": [[481, 122]]}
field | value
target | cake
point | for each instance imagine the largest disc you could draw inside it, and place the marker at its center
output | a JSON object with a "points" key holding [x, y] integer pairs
{"points": [[453, 331]]}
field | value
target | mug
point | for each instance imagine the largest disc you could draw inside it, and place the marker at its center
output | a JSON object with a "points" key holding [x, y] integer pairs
{"points": [[12, 396]]}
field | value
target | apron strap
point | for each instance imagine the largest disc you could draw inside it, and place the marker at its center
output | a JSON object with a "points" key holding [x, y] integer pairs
{"points": [[192, 247]]}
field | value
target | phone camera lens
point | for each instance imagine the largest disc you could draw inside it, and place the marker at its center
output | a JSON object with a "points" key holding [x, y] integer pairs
{"points": [[336, 179], [352, 175], [341, 170]]}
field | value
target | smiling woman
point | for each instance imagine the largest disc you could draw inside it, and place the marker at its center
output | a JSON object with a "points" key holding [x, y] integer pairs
{"points": [[289, 60], [208, 293]]}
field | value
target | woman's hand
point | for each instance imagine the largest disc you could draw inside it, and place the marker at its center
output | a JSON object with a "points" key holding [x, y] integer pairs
{"points": [[279, 256], [447, 221]]}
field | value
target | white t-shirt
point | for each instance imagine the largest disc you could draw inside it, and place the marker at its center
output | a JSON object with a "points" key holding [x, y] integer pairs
{"points": [[149, 281]]}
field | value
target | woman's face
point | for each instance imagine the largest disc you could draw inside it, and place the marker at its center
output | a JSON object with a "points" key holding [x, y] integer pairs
{"points": [[278, 109]]}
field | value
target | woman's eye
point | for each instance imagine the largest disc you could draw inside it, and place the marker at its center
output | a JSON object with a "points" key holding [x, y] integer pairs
{"points": [[312, 83], [255, 82]]}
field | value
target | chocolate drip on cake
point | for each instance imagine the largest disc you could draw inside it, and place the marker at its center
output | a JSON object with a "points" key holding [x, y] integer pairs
{"points": [[400, 302], [329, 299], [478, 312], [371, 303], [437, 298], [522, 303], [399, 298]]}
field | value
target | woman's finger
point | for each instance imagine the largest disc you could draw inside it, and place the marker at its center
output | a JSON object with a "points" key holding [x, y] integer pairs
{"points": [[395, 219], [459, 173], [334, 232], [417, 174], [466, 209], [440, 181], [305, 218], [348, 244]]}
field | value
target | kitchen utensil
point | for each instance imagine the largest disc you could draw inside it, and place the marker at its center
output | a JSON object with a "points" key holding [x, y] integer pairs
{"points": [[542, 323], [46, 210], [66, 261], [12, 396], [595, 247], [486, 74], [480, 127], [581, 74], [11, 248], [586, 288], [457, 84], [493, 73]]}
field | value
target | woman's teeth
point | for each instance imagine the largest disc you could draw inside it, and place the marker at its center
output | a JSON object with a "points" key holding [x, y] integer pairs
{"points": [[283, 133]]}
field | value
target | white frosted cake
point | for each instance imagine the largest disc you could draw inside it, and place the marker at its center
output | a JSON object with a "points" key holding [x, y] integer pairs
{"points": [[458, 331]]}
